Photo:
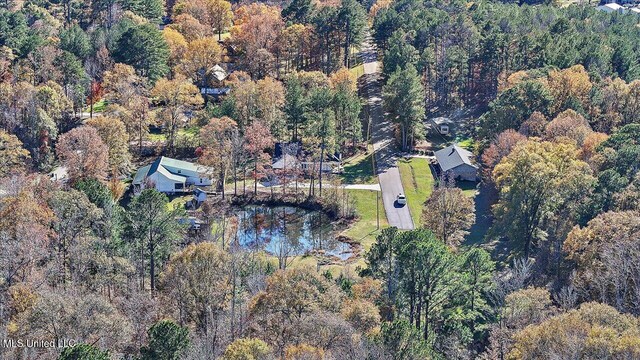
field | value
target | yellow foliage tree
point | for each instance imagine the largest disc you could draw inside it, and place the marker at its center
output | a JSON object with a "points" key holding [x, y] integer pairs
{"points": [[594, 331], [199, 59]]}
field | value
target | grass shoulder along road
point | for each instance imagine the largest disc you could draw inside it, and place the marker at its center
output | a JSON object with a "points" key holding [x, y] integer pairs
{"points": [[365, 229], [359, 170], [417, 182]]}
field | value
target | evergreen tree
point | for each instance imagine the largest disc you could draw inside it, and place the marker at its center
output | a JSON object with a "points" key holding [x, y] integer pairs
{"points": [[75, 41], [167, 341], [299, 11], [404, 99], [144, 48], [294, 106], [84, 352], [156, 228]]}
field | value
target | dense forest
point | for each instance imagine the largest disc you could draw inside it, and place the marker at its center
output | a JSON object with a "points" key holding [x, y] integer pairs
{"points": [[91, 91]]}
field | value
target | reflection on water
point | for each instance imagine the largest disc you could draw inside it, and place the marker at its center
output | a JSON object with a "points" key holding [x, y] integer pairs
{"points": [[289, 231]]}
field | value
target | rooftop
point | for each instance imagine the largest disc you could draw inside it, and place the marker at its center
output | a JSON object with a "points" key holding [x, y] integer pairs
{"points": [[453, 156], [160, 164]]}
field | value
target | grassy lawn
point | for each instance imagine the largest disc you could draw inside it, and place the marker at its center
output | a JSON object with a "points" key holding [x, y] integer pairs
{"points": [[357, 71], [469, 188], [365, 229], [189, 132], [417, 182], [178, 202], [223, 36], [467, 143], [97, 107], [157, 137], [359, 170]]}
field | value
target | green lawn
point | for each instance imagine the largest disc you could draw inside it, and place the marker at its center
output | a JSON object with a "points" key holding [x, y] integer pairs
{"points": [[357, 71], [417, 182], [365, 229], [158, 137], [97, 107], [468, 144], [359, 170], [179, 202], [469, 188], [189, 132]]}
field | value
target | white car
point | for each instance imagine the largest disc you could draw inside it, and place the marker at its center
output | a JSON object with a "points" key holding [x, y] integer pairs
{"points": [[401, 199]]}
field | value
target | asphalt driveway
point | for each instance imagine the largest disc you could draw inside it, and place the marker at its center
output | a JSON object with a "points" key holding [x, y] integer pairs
{"points": [[384, 146]]}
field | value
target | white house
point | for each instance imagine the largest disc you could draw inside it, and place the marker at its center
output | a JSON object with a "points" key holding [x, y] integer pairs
{"points": [[169, 176], [612, 7], [458, 162]]}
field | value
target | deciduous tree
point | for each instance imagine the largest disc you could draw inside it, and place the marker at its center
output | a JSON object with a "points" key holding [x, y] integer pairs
{"points": [[199, 58], [197, 281], [500, 147], [247, 349], [13, 157], [449, 213], [536, 180], [259, 139], [83, 153], [217, 145], [178, 96], [114, 135]]}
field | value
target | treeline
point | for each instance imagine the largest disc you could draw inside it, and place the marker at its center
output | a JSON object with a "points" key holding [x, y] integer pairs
{"points": [[465, 51]]}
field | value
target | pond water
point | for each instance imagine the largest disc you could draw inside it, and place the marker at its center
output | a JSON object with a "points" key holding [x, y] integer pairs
{"points": [[290, 231]]}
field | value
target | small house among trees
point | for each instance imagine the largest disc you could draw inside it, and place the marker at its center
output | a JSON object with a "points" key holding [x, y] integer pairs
{"points": [[169, 176], [457, 162], [442, 125]]}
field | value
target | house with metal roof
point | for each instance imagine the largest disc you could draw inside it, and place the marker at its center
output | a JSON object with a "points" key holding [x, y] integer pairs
{"points": [[612, 7], [457, 162], [169, 176]]}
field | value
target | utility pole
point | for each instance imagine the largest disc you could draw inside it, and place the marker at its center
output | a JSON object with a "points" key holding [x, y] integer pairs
{"points": [[378, 209]]}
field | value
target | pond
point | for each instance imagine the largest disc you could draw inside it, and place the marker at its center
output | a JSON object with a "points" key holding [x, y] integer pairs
{"points": [[290, 231]]}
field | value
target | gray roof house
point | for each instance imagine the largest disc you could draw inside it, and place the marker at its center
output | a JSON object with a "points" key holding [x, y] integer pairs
{"points": [[458, 162], [169, 176]]}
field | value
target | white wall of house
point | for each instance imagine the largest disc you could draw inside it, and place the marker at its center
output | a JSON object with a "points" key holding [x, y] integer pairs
{"points": [[164, 184], [198, 181]]}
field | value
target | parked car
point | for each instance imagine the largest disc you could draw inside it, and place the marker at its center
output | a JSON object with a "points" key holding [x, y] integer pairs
{"points": [[401, 199]]}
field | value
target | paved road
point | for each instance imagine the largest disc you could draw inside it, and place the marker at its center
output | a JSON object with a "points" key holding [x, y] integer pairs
{"points": [[383, 143]]}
